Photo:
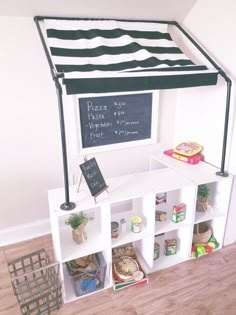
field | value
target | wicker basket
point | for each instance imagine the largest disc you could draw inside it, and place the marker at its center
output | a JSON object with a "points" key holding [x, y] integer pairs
{"points": [[202, 233]]}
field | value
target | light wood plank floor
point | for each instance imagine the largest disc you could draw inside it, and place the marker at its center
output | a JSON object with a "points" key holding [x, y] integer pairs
{"points": [[206, 286]]}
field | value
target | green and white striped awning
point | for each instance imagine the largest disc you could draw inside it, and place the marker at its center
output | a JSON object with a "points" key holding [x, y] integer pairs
{"points": [[99, 56]]}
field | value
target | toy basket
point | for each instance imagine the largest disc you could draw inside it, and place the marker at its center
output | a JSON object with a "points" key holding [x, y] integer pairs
{"points": [[36, 283], [202, 233], [91, 280]]}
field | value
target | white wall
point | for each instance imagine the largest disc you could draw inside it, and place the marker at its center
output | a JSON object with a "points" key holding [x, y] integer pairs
{"points": [[213, 24], [130, 9], [30, 161]]}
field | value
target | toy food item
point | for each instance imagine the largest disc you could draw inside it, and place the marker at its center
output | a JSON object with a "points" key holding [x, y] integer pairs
{"points": [[114, 229], [201, 250], [170, 247], [179, 213], [160, 215], [156, 253], [212, 245], [125, 268], [136, 222], [160, 198], [213, 242], [209, 249], [188, 148], [194, 252]]}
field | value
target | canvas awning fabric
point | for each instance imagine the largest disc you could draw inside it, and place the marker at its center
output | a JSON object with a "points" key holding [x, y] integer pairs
{"points": [[100, 56]]}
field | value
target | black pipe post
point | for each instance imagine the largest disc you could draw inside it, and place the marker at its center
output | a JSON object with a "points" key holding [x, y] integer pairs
{"points": [[67, 205], [227, 109], [222, 171]]}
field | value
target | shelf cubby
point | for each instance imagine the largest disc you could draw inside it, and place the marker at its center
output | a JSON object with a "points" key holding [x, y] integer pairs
{"points": [[126, 210], [217, 231], [217, 201], [70, 294], [97, 230], [176, 197], [183, 248]]}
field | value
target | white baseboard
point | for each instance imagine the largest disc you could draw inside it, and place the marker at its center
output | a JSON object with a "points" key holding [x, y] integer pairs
{"points": [[24, 232]]}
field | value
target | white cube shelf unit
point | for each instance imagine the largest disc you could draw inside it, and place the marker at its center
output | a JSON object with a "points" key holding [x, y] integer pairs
{"points": [[135, 194]]}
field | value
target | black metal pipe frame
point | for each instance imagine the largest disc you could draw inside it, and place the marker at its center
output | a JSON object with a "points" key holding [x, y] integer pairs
{"points": [[67, 205], [56, 76], [222, 171]]}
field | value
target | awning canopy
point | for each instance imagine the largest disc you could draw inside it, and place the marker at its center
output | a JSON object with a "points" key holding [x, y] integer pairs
{"points": [[99, 56]]}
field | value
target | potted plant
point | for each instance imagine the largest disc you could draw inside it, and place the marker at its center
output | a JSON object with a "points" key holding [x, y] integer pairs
{"points": [[78, 221], [203, 193]]}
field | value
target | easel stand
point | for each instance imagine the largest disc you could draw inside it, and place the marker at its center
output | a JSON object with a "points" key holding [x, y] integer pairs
{"points": [[94, 194]]}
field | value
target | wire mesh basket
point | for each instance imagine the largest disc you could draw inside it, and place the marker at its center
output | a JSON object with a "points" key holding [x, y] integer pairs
{"points": [[36, 283], [90, 280]]}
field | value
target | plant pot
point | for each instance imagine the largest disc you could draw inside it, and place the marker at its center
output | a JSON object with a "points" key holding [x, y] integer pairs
{"points": [[202, 204], [79, 235], [202, 233]]}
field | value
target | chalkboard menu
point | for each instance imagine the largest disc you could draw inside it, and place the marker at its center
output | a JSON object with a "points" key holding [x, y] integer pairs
{"points": [[93, 177], [115, 119]]}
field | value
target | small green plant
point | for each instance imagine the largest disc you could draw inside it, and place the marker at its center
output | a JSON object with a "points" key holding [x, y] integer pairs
{"points": [[75, 220], [203, 191]]}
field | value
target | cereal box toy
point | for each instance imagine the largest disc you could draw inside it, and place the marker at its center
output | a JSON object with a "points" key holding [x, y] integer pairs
{"points": [[179, 213], [170, 247]]}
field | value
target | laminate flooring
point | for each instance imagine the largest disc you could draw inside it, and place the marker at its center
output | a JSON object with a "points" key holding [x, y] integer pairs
{"points": [[204, 286]]}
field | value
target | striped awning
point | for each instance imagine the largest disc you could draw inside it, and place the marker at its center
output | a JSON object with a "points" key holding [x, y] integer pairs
{"points": [[99, 56]]}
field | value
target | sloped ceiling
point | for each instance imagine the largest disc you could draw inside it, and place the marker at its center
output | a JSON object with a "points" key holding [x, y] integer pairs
{"points": [[127, 9]]}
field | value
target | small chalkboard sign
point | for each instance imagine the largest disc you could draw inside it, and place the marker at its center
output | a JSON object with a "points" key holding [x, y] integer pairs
{"points": [[93, 177]]}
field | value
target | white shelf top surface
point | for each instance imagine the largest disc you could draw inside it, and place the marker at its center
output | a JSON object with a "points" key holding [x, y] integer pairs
{"points": [[120, 189], [167, 261], [174, 175], [198, 173], [206, 216], [167, 226]]}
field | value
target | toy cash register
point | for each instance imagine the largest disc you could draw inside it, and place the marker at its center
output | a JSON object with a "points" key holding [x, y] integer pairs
{"points": [[189, 152]]}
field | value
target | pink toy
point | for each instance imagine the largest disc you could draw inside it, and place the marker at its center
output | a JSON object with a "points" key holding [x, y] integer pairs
{"points": [[188, 159]]}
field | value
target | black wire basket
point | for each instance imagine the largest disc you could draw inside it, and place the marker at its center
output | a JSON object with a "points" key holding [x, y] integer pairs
{"points": [[90, 280], [36, 283]]}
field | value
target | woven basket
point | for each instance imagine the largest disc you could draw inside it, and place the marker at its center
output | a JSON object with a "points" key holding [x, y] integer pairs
{"points": [[202, 233]]}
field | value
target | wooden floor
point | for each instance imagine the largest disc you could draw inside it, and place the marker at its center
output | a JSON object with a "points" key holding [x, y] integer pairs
{"points": [[198, 287]]}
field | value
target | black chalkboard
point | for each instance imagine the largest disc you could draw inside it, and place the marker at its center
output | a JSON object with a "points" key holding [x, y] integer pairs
{"points": [[93, 176], [115, 119]]}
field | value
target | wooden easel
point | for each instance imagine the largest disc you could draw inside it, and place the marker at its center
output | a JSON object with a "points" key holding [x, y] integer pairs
{"points": [[79, 183]]}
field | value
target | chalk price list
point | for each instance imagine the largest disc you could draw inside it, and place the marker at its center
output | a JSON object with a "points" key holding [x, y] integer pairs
{"points": [[115, 119], [106, 119]]}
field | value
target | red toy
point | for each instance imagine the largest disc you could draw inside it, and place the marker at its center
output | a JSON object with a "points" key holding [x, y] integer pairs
{"points": [[188, 152]]}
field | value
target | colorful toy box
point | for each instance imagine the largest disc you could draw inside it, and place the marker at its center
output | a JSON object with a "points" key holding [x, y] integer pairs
{"points": [[170, 247], [126, 269], [160, 215], [188, 152], [179, 213], [156, 253]]}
